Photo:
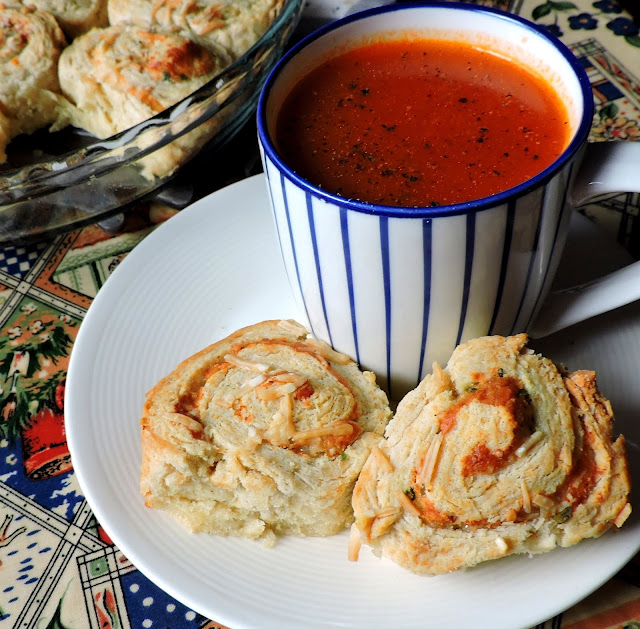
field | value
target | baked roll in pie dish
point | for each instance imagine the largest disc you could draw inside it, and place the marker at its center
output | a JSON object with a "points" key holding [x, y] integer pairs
{"points": [[261, 434], [75, 17], [502, 452], [129, 75], [229, 25], [30, 45]]}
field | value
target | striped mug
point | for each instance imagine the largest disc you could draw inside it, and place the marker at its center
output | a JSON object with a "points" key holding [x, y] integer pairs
{"points": [[397, 288]]}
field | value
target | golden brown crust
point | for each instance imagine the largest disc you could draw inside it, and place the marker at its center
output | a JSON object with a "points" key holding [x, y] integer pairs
{"points": [[262, 432], [232, 26], [500, 453], [130, 74]]}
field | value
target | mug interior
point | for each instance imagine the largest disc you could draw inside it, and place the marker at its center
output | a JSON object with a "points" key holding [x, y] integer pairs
{"points": [[507, 36]]}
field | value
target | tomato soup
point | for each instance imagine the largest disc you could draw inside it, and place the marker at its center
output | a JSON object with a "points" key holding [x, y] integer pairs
{"points": [[420, 122]]}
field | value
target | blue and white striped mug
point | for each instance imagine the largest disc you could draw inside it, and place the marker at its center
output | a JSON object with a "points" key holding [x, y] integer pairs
{"points": [[397, 288]]}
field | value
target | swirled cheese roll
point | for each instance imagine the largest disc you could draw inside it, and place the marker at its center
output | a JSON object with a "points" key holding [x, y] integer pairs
{"points": [[231, 25], [129, 74], [30, 45], [75, 17], [261, 434], [500, 453]]}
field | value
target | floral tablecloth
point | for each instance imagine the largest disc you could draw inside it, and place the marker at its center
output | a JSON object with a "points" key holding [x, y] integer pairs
{"points": [[58, 567]]}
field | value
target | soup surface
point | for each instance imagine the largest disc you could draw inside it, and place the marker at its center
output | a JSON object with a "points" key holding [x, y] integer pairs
{"points": [[420, 122]]}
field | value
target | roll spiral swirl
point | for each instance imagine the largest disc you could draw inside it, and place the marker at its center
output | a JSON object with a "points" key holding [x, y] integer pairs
{"points": [[262, 433], [502, 452]]}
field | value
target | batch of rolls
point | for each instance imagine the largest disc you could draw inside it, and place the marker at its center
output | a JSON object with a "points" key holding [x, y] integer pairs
{"points": [[106, 65], [270, 432]]}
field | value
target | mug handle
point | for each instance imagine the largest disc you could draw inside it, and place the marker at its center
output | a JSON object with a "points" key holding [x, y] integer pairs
{"points": [[608, 167]]}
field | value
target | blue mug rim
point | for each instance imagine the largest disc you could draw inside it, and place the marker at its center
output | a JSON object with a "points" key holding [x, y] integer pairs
{"points": [[579, 138]]}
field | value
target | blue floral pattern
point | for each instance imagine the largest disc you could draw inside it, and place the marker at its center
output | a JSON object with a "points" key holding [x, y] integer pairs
{"points": [[623, 26], [584, 21], [553, 29], [607, 6]]}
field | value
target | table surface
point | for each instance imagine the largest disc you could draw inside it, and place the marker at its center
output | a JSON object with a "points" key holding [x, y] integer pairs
{"points": [[58, 567]]}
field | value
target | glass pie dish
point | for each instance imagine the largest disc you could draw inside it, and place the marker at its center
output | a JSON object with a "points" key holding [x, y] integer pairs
{"points": [[54, 182]]}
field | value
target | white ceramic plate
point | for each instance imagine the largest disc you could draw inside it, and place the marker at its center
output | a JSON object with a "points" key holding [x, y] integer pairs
{"points": [[214, 268]]}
